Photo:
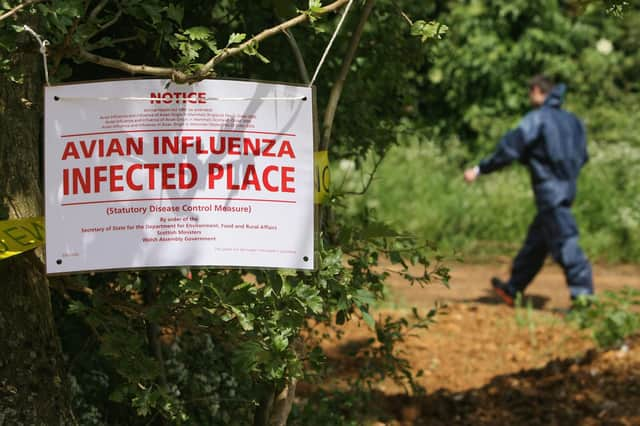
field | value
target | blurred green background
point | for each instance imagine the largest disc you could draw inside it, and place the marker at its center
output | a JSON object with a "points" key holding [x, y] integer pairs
{"points": [[471, 89]]}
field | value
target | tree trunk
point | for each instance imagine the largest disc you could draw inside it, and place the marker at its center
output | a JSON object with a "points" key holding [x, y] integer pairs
{"points": [[282, 404], [275, 405], [33, 387]]}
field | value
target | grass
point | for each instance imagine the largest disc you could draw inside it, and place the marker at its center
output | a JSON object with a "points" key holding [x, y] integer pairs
{"points": [[419, 188]]}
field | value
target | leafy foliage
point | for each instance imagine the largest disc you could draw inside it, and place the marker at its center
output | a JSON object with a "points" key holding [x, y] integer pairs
{"points": [[252, 318], [427, 30], [470, 98], [209, 346], [480, 91], [230, 338], [612, 316], [377, 359]]}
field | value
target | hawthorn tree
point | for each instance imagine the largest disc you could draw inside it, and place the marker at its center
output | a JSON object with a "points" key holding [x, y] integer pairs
{"points": [[132, 339]]}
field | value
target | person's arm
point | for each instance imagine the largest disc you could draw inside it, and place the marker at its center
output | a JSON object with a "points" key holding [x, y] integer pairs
{"points": [[472, 174], [511, 147]]}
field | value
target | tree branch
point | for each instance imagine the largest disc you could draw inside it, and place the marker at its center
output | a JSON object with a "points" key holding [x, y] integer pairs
{"points": [[176, 75], [204, 70], [302, 67], [124, 39], [336, 91], [303, 17], [96, 10], [19, 7], [107, 24], [366, 186]]}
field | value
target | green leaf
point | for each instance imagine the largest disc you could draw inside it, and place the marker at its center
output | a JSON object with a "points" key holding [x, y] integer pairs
{"points": [[280, 343], [152, 12], [310, 298], [364, 297], [235, 38], [189, 52], [211, 44], [119, 394], [287, 273], [428, 30], [245, 319], [175, 13], [315, 303], [315, 5], [369, 320], [248, 355], [395, 257], [76, 308], [198, 33]]}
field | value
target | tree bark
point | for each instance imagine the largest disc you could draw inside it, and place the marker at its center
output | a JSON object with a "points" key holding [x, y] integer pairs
{"points": [[275, 405], [33, 388], [282, 404]]}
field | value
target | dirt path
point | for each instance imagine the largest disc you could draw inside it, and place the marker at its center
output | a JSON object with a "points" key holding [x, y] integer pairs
{"points": [[470, 283], [484, 363], [481, 338]]}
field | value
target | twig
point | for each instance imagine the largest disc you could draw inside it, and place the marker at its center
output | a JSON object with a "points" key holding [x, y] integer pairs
{"points": [[100, 44], [369, 181], [19, 7]]}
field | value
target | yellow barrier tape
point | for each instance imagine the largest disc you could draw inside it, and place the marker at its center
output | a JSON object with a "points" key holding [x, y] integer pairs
{"points": [[321, 176], [20, 235]]}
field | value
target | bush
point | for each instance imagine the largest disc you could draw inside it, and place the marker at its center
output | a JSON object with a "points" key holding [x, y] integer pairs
{"points": [[612, 316]]}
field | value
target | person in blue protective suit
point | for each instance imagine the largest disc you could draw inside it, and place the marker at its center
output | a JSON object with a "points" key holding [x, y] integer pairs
{"points": [[551, 143]]}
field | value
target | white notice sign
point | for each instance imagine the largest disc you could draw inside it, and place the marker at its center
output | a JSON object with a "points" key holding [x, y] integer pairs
{"points": [[148, 173]]}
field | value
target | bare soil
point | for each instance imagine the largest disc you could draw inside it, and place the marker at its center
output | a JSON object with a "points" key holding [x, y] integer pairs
{"points": [[484, 363]]}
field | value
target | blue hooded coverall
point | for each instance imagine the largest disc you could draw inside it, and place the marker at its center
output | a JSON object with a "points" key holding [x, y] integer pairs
{"points": [[551, 142]]}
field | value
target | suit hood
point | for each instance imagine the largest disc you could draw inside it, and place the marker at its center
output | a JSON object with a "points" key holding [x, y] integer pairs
{"points": [[556, 96]]}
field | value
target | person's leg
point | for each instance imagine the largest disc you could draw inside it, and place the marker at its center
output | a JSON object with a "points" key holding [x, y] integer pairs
{"points": [[530, 258], [526, 264], [563, 234]]}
